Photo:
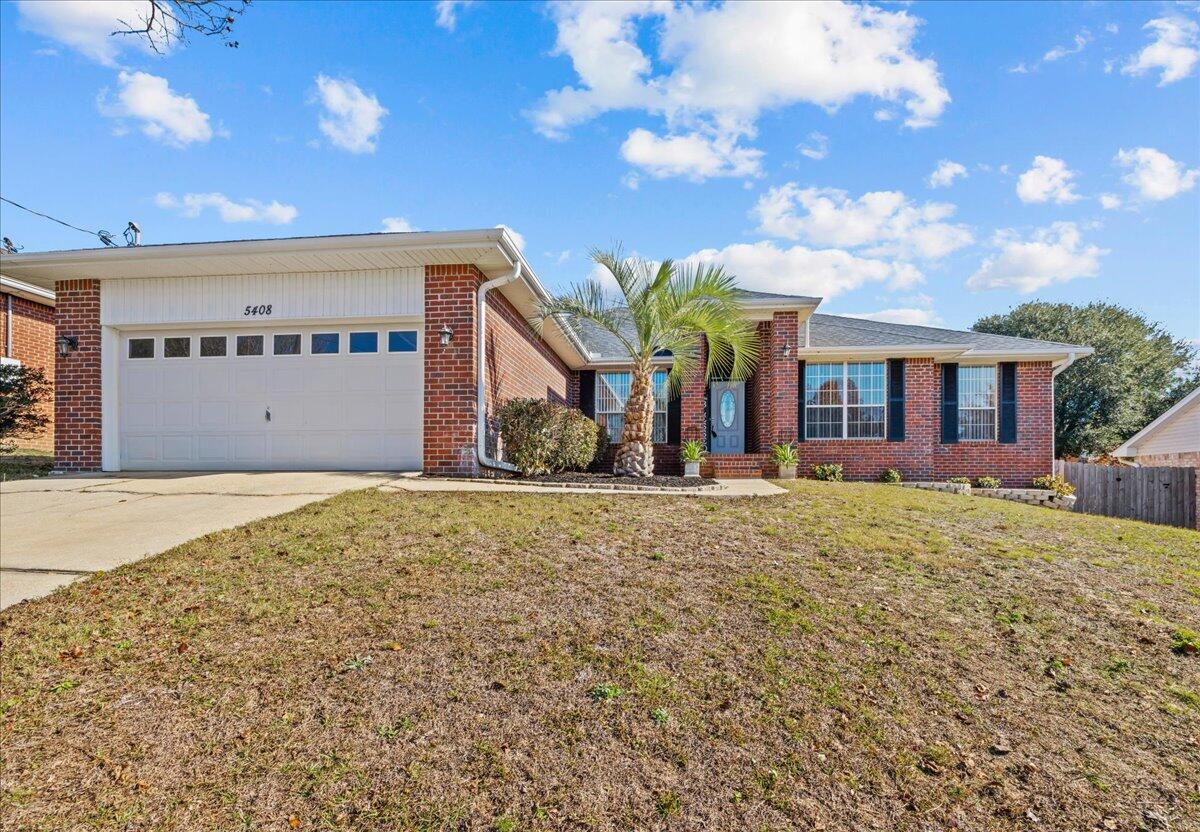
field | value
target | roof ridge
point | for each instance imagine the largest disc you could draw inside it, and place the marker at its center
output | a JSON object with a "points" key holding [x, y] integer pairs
{"points": [[923, 327], [887, 324]]}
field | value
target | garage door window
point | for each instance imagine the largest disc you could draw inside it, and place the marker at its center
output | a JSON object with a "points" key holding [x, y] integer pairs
{"points": [[213, 346], [141, 347], [364, 342], [325, 343], [402, 340], [287, 345], [249, 345], [177, 347]]}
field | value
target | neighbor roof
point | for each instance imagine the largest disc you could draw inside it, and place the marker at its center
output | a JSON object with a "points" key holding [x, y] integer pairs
{"points": [[1129, 447]]}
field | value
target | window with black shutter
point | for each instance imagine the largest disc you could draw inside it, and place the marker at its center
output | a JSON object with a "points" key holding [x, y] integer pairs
{"points": [[949, 404], [895, 386], [1008, 403]]}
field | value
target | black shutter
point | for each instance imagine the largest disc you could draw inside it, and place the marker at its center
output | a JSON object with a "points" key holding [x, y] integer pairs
{"points": [[674, 420], [587, 393], [949, 404], [895, 388], [1008, 403], [800, 405]]}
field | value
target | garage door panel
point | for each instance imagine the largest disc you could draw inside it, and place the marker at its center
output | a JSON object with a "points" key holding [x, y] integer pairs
{"points": [[344, 411]]}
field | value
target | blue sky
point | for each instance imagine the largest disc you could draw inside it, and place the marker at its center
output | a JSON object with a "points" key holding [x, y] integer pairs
{"points": [[796, 144]]}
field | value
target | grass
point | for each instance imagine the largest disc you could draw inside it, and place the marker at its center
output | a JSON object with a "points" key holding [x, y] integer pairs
{"points": [[849, 656], [25, 464]]}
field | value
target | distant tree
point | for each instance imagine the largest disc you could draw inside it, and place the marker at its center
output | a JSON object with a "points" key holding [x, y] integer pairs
{"points": [[23, 390], [166, 21], [1136, 373]]}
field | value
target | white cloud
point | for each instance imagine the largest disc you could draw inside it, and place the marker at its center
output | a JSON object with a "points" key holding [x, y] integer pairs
{"points": [[724, 65], [352, 118], [250, 210], [1112, 28], [1080, 41], [559, 257], [517, 238], [87, 25], [447, 12], [799, 270], [691, 155], [1048, 180], [886, 221], [1019, 69], [165, 115], [1052, 255], [397, 224], [945, 173], [1110, 202], [1174, 50], [1155, 175], [817, 146], [911, 316]]}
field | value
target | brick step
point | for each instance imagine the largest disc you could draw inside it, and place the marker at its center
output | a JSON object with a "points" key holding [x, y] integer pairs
{"points": [[735, 466]]}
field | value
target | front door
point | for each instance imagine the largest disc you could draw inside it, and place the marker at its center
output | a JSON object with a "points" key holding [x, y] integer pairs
{"points": [[727, 403]]}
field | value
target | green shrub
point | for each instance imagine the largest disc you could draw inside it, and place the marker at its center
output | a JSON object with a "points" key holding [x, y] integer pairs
{"points": [[987, 482], [542, 437], [1056, 483], [786, 454], [1185, 642], [691, 451], [890, 475], [828, 471], [960, 480]]}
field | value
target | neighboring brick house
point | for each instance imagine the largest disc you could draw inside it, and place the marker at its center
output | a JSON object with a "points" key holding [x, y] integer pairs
{"points": [[363, 352], [27, 337]]}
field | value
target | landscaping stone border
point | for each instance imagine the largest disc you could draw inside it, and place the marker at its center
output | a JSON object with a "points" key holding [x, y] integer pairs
{"points": [[1031, 496], [589, 486]]}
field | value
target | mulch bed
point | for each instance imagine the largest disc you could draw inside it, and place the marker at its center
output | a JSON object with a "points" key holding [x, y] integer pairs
{"points": [[578, 478]]}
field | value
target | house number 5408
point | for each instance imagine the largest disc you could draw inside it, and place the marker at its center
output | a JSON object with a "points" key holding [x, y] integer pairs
{"points": [[261, 309]]}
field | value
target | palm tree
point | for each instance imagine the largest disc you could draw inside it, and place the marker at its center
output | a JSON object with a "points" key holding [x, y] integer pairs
{"points": [[663, 309]]}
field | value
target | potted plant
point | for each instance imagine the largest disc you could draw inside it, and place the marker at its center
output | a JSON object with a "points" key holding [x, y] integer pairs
{"points": [[692, 454], [786, 458]]}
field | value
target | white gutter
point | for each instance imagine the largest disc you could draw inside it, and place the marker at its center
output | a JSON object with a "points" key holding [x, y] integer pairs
{"points": [[8, 336], [481, 369]]}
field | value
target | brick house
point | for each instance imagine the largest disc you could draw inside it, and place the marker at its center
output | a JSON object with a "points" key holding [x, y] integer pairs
{"points": [[27, 338], [364, 352]]}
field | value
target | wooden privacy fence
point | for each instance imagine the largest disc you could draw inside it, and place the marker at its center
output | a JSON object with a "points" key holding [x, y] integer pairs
{"points": [[1156, 495]]}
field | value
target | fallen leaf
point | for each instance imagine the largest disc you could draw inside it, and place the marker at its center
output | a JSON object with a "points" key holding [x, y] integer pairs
{"points": [[294, 822]]}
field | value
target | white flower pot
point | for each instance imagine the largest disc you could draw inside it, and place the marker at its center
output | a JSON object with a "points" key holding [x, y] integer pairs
{"points": [[691, 469]]}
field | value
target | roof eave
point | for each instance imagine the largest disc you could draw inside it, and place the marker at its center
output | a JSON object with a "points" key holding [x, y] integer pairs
{"points": [[28, 291]]}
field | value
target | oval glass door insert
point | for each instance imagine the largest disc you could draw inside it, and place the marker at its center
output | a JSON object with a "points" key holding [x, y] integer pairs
{"points": [[728, 408]]}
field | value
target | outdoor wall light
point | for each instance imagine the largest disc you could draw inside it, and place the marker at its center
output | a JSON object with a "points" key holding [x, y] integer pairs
{"points": [[787, 349], [446, 335], [66, 344]]}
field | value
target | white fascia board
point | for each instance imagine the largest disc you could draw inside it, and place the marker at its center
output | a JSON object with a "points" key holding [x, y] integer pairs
{"points": [[1129, 448], [21, 289], [623, 363], [895, 351]]}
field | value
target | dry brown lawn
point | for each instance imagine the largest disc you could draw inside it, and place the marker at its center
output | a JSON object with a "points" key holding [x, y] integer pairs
{"points": [[846, 657]]}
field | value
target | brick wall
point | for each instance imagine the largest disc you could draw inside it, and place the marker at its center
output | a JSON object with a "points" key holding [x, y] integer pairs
{"points": [[921, 456], [519, 364], [33, 346], [77, 377]]}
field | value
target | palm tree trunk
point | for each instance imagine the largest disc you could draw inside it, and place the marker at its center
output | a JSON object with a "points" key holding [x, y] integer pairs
{"points": [[635, 456]]}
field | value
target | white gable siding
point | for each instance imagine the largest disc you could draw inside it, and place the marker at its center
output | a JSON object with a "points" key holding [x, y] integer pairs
{"points": [[382, 293], [1178, 434]]}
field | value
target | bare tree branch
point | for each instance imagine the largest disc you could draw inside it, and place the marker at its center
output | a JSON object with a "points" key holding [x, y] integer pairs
{"points": [[168, 21]]}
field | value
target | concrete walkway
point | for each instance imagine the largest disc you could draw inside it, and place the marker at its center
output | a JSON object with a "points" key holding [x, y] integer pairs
{"points": [[56, 530]]}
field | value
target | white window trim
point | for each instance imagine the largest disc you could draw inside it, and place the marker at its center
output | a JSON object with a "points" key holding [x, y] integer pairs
{"points": [[350, 335], [665, 411], [416, 344], [845, 406], [313, 335], [225, 338], [129, 347], [261, 335], [176, 357], [995, 408], [295, 354]]}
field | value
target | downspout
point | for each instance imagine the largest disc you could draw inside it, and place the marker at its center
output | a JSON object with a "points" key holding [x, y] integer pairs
{"points": [[8, 336], [481, 370]]}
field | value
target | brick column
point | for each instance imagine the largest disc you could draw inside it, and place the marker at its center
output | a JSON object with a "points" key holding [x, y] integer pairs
{"points": [[692, 425], [785, 398], [77, 377], [922, 419], [450, 371]]}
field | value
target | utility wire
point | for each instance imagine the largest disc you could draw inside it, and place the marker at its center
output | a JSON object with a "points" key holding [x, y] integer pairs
{"points": [[104, 236]]}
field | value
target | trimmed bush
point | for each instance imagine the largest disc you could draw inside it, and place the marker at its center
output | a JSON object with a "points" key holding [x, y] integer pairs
{"points": [[890, 475], [960, 480], [987, 482], [1054, 482], [541, 437], [827, 471]]}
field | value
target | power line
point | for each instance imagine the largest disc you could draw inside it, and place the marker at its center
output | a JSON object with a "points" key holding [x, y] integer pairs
{"points": [[104, 236]]}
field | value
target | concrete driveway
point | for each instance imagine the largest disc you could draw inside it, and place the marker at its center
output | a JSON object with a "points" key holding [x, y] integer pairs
{"points": [[57, 530]]}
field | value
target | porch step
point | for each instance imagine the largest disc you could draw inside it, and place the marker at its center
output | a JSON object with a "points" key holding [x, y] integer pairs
{"points": [[735, 466]]}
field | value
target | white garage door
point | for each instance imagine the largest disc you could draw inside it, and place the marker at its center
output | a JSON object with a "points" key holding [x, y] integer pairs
{"points": [[332, 397]]}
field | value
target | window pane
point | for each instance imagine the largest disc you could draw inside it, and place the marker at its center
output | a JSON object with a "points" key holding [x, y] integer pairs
{"points": [[612, 391], [660, 427], [403, 340], [823, 384], [287, 345], [325, 343], [141, 347], [212, 346], [823, 423], [249, 345], [977, 424], [864, 422], [864, 383], [615, 424], [177, 347], [364, 342], [976, 403]]}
